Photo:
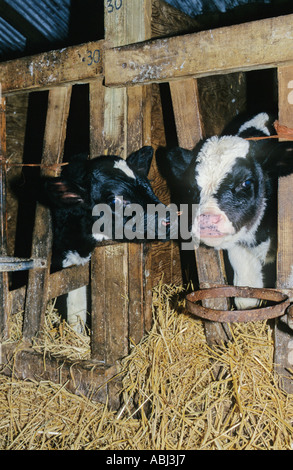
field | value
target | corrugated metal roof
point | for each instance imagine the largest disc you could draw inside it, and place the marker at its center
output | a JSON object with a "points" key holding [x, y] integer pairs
{"points": [[200, 7], [24, 23], [10, 39], [49, 17]]}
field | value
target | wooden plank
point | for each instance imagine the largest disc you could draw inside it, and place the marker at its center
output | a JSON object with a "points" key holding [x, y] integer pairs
{"points": [[249, 46], [4, 282], [127, 22], [109, 323], [55, 131], [186, 110], [139, 123], [109, 276], [209, 262], [112, 318], [99, 314], [211, 272], [97, 105], [99, 332], [83, 378], [70, 65], [59, 283], [161, 259], [66, 280], [283, 357]]}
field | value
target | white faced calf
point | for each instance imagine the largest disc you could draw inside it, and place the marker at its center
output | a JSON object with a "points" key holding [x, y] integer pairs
{"points": [[234, 183]]}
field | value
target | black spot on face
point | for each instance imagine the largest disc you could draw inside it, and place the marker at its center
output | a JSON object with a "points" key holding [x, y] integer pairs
{"points": [[240, 194]]}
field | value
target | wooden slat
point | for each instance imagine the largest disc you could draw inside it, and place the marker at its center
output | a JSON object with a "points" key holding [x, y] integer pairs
{"points": [[283, 357], [83, 378], [70, 65], [109, 325], [55, 131], [4, 286], [97, 105], [186, 111], [210, 266], [138, 134], [62, 282], [59, 283], [249, 46], [116, 314], [109, 274], [99, 333]]}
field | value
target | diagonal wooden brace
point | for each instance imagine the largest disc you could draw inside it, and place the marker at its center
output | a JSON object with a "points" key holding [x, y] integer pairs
{"points": [[55, 132], [210, 264]]}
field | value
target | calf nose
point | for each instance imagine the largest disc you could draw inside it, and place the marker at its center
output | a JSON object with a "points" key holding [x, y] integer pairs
{"points": [[165, 222], [209, 219]]}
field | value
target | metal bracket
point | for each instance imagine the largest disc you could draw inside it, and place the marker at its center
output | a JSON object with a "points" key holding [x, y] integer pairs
{"points": [[8, 264]]}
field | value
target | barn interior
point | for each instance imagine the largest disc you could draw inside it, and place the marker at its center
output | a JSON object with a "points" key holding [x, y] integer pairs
{"points": [[58, 26], [34, 29]]}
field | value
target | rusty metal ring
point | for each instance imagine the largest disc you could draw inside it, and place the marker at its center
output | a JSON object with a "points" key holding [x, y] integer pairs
{"points": [[228, 316]]}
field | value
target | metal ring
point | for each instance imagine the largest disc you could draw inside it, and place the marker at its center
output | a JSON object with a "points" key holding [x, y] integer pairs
{"points": [[281, 301]]}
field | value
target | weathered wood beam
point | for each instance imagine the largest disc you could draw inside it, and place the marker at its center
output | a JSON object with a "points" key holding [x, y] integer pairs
{"points": [[70, 65], [283, 357], [249, 46], [82, 377], [4, 281], [209, 262]]}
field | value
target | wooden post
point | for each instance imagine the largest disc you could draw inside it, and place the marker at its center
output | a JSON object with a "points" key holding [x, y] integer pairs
{"points": [[55, 132], [283, 359], [117, 277], [210, 265], [4, 286]]}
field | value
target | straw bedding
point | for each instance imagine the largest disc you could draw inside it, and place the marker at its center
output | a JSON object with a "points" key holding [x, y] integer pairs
{"points": [[178, 394]]}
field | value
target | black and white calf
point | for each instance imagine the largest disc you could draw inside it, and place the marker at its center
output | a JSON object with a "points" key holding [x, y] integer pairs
{"points": [[234, 183], [85, 185]]}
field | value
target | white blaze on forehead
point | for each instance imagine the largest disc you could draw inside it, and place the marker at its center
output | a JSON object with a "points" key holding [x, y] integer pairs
{"points": [[216, 159], [122, 165]]}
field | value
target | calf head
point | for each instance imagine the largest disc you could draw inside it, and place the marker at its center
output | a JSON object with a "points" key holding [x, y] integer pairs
{"points": [[96, 199], [232, 180]]}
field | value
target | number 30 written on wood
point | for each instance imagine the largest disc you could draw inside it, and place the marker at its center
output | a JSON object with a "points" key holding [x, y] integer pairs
{"points": [[113, 5], [94, 57]]}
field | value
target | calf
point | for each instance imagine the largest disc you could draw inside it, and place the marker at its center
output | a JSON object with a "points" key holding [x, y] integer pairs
{"points": [[234, 183], [105, 188]]}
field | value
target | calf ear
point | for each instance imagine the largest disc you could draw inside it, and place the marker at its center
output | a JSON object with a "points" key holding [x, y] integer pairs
{"points": [[140, 161], [279, 159], [63, 193], [174, 162]]}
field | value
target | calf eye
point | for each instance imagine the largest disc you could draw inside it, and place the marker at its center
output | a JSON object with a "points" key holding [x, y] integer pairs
{"points": [[118, 201], [247, 184]]}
